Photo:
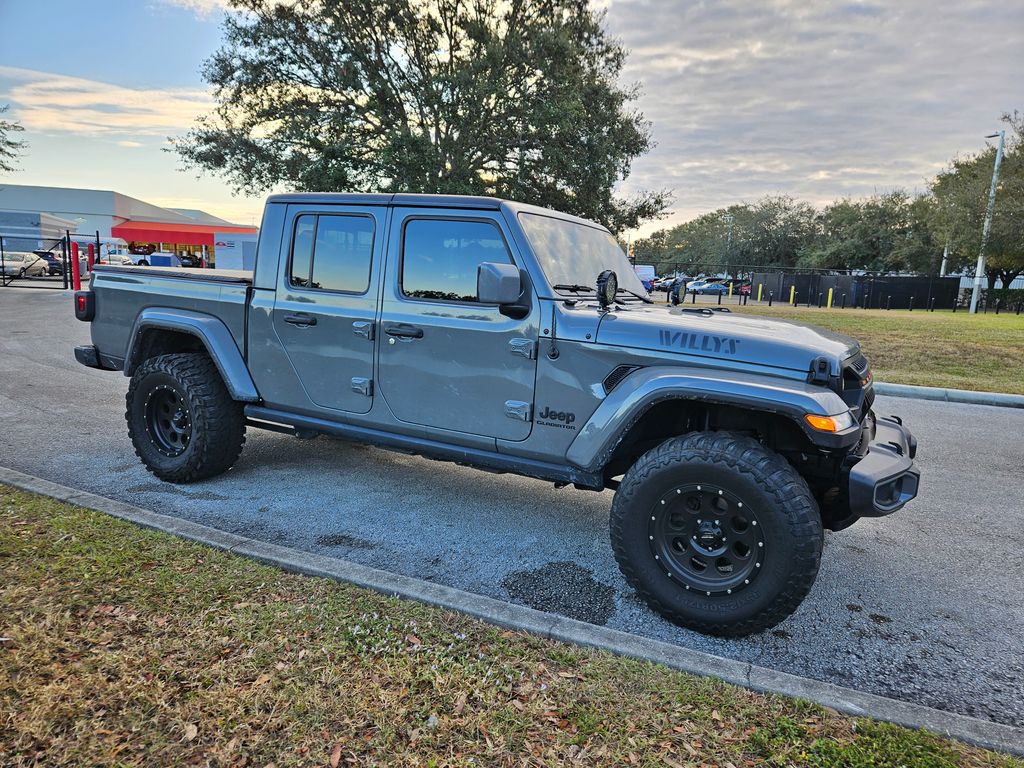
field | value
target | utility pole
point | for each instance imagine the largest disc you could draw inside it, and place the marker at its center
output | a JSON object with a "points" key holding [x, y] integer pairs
{"points": [[979, 270]]}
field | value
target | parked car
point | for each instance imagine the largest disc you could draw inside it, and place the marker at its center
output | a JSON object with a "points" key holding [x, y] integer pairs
{"points": [[433, 342], [117, 260], [712, 288], [743, 290], [18, 264], [54, 265], [665, 283], [694, 286]]}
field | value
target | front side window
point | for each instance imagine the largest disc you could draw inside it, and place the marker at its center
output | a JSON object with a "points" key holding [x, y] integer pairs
{"points": [[332, 252], [440, 257]]}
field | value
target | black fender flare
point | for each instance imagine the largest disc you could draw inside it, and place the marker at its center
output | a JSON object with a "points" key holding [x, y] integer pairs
{"points": [[641, 390], [214, 335]]}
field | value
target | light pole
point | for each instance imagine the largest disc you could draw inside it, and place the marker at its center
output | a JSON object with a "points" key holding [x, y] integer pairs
{"points": [[979, 270], [728, 219]]}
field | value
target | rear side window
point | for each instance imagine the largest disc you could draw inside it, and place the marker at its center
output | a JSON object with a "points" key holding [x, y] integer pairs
{"points": [[332, 252], [440, 257]]}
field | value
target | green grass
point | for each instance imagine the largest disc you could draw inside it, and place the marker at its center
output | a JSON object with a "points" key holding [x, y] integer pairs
{"points": [[932, 349], [127, 647]]}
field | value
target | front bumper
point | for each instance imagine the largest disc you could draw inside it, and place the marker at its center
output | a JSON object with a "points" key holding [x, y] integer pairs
{"points": [[885, 478]]}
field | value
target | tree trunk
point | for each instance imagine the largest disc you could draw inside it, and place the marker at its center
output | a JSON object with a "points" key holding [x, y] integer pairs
{"points": [[992, 275], [1007, 276]]}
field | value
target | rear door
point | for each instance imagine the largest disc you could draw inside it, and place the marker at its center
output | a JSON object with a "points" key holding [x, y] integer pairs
{"points": [[326, 303], [447, 361]]}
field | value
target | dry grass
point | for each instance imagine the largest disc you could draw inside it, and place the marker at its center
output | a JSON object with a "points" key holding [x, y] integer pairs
{"points": [[127, 647], [932, 349]]}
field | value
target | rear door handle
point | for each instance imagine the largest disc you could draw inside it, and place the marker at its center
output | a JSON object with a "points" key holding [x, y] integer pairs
{"points": [[301, 319], [404, 331]]}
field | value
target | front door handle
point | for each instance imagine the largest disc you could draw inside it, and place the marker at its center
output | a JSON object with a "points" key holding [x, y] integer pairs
{"points": [[301, 319], [404, 331]]}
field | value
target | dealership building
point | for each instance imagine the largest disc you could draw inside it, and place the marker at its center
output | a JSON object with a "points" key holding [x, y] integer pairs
{"points": [[116, 217]]}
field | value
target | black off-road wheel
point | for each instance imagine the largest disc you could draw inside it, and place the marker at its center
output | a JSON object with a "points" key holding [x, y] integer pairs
{"points": [[717, 533], [181, 418]]}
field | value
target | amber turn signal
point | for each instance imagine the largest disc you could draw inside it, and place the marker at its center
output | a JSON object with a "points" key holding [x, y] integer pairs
{"points": [[830, 423]]}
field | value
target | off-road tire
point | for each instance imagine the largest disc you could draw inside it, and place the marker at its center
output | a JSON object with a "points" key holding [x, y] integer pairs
{"points": [[776, 495], [216, 421]]}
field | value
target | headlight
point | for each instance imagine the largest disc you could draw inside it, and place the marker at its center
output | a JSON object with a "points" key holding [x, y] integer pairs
{"points": [[837, 423]]}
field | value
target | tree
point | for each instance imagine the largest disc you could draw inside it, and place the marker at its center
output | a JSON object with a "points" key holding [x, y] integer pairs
{"points": [[517, 98], [961, 197], [883, 233], [770, 232], [9, 147]]}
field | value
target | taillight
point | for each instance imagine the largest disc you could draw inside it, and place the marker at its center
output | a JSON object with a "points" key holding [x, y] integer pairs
{"points": [[85, 305]]}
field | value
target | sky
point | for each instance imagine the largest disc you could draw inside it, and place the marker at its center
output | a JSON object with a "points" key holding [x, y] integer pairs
{"points": [[818, 100]]}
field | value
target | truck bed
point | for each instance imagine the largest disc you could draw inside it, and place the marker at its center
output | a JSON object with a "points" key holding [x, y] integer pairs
{"points": [[123, 292]]}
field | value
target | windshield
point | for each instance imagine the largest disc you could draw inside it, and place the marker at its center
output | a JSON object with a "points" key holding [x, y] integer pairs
{"points": [[575, 254]]}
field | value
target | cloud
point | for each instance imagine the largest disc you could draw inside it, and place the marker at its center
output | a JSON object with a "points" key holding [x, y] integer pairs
{"points": [[812, 98], [201, 8], [50, 102], [238, 210]]}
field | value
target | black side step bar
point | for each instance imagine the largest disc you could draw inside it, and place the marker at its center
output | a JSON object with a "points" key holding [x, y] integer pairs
{"points": [[292, 423]]}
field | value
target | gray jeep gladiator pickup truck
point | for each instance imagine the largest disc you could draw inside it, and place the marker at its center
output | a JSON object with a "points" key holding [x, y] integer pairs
{"points": [[517, 339]]}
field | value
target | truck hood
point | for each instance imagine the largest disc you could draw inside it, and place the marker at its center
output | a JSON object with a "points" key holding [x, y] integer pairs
{"points": [[724, 336]]}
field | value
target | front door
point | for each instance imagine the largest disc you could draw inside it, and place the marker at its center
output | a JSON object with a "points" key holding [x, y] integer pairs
{"points": [[326, 304], [447, 361]]}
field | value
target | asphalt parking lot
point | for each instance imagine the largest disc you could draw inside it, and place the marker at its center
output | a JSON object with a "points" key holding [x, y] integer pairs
{"points": [[925, 605]]}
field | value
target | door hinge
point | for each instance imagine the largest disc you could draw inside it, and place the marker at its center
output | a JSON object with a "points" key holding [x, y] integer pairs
{"points": [[517, 409], [362, 386], [363, 328], [524, 347]]}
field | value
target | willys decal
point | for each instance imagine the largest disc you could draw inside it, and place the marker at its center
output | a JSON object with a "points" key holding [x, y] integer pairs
{"points": [[699, 342]]}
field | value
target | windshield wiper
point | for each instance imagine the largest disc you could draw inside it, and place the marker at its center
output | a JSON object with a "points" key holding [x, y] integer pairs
{"points": [[644, 299], [574, 287]]}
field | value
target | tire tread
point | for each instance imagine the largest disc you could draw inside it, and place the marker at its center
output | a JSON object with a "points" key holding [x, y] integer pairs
{"points": [[218, 432]]}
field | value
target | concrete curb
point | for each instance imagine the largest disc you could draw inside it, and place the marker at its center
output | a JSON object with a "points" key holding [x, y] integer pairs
{"points": [[982, 733], [1001, 399]]}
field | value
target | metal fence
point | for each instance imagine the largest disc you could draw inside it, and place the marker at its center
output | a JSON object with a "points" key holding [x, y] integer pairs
{"points": [[32, 262], [831, 291], [45, 266]]}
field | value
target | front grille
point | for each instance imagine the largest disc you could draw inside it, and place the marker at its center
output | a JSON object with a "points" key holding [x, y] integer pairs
{"points": [[857, 379], [859, 364]]}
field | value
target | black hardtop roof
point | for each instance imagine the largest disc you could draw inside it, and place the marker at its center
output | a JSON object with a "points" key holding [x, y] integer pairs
{"points": [[401, 199]]}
